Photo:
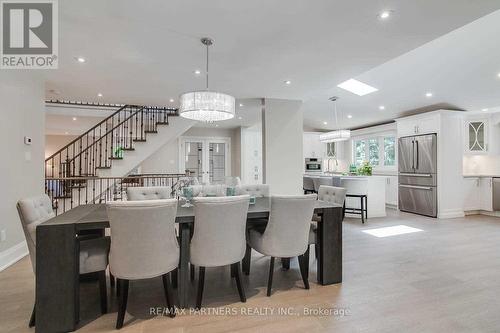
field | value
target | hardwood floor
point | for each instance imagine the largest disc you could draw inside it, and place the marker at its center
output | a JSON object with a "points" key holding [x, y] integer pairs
{"points": [[445, 279]]}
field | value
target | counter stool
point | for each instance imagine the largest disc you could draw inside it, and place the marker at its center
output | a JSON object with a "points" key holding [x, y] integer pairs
{"points": [[363, 211]]}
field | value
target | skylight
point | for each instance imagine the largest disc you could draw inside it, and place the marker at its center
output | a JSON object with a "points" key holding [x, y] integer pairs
{"points": [[391, 231], [357, 87]]}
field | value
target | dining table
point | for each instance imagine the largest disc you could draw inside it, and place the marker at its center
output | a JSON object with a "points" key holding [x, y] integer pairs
{"points": [[57, 256]]}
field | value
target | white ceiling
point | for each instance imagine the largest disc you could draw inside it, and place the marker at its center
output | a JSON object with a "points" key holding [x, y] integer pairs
{"points": [[146, 53]]}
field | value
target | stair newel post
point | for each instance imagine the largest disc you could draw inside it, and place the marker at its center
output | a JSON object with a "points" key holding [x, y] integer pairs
{"points": [[106, 146], [131, 132], [80, 158], [100, 146], [142, 123], [112, 133]]}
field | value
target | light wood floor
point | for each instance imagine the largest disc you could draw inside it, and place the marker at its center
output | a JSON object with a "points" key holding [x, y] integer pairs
{"points": [[445, 279]]}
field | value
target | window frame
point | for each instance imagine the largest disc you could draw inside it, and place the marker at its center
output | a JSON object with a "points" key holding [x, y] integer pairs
{"points": [[381, 150]]}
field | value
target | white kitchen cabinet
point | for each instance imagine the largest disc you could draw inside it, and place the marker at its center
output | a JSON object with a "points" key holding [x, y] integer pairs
{"points": [[391, 191], [482, 135], [486, 193], [312, 147], [417, 125], [472, 194]]}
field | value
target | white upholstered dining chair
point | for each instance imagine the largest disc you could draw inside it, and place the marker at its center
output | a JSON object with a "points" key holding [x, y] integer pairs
{"points": [[257, 190], [219, 237], [286, 234], [34, 211], [143, 245], [329, 194], [148, 193]]}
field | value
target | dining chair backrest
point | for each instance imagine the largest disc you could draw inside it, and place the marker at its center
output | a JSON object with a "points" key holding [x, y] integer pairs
{"points": [[307, 183], [143, 240], [258, 190], [32, 212], [332, 194], [214, 190], [219, 230], [232, 181], [148, 193], [287, 232]]}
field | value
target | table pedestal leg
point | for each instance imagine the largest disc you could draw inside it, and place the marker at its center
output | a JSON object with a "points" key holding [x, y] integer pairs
{"points": [[184, 265], [329, 237]]}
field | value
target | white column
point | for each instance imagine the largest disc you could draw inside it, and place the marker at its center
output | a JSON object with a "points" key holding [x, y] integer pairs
{"points": [[282, 129]]}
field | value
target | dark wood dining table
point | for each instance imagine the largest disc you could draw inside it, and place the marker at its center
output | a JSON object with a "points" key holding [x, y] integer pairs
{"points": [[57, 257]]}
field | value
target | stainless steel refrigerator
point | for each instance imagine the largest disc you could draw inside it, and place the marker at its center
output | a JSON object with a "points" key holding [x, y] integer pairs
{"points": [[417, 164]]}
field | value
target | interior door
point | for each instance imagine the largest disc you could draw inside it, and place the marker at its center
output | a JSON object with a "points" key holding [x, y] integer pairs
{"points": [[207, 159], [406, 154], [193, 158], [426, 154]]}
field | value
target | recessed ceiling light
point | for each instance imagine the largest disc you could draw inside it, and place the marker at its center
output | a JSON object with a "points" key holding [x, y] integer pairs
{"points": [[381, 107], [357, 87], [325, 123], [429, 94], [384, 15], [216, 125], [171, 100], [288, 82], [66, 133], [349, 116], [99, 95], [80, 59], [241, 104], [74, 118], [498, 74], [240, 118], [197, 72], [484, 109]]}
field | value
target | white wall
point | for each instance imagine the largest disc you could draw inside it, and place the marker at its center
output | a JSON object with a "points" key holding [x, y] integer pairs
{"points": [[481, 165], [251, 154], [283, 159], [22, 111], [166, 159], [55, 142]]}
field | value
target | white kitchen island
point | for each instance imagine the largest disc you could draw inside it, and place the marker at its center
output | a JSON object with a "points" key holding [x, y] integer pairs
{"points": [[372, 186]]}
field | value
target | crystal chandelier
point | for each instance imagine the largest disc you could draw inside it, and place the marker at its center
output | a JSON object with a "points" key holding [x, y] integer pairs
{"points": [[205, 105], [337, 135]]}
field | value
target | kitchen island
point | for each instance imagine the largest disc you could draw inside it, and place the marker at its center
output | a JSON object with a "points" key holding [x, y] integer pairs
{"points": [[372, 186]]}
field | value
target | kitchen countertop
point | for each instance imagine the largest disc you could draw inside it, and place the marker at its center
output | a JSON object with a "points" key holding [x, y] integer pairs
{"points": [[482, 176]]}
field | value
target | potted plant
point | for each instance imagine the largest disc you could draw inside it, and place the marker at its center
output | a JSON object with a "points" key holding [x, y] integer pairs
{"points": [[365, 169]]}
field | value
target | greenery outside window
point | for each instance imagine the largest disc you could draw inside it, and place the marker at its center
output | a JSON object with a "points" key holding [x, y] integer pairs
{"points": [[379, 151]]}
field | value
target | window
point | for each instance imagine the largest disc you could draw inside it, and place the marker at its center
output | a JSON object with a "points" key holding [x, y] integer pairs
{"points": [[380, 151], [389, 151], [360, 153], [373, 150]]}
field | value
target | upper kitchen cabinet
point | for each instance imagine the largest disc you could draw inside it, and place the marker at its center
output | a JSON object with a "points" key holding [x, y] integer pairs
{"points": [[312, 146], [482, 135], [418, 125]]}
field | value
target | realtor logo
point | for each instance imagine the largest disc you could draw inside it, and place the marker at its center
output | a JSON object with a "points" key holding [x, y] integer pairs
{"points": [[29, 34]]}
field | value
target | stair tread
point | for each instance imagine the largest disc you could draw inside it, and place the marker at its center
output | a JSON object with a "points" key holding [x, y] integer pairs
{"points": [[139, 140], [115, 158], [129, 149], [151, 132], [103, 167]]}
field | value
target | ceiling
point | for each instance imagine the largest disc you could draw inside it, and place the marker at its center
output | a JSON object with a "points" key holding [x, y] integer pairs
{"points": [[146, 54]]}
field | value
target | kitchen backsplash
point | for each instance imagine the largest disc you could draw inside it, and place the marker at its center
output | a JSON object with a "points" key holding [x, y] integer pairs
{"points": [[481, 165]]}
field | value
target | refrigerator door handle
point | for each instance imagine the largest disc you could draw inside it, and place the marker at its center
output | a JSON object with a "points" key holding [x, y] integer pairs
{"points": [[416, 174], [417, 187], [413, 154], [416, 141]]}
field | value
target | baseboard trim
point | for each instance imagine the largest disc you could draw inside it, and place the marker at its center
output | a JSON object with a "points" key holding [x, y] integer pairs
{"points": [[451, 214], [13, 255]]}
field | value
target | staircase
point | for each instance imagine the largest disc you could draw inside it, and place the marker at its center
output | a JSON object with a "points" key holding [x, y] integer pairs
{"points": [[109, 151]]}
